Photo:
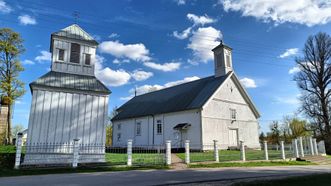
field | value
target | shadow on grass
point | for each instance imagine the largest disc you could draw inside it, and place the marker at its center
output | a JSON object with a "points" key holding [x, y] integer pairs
{"points": [[250, 164], [4, 172]]}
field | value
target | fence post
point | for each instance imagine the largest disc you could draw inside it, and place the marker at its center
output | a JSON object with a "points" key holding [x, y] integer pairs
{"points": [[129, 152], [168, 152], [216, 156], [18, 150], [311, 145], [242, 150], [266, 150], [282, 149], [301, 147], [296, 152], [187, 151], [76, 153], [315, 146]]}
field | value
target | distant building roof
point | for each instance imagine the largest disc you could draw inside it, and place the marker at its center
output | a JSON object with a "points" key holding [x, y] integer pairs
{"points": [[70, 81], [182, 97], [75, 32]]}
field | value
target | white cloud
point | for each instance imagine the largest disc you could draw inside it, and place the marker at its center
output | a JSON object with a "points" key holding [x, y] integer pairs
{"points": [[28, 62], [307, 12], [294, 70], [137, 52], [140, 75], [113, 35], [200, 20], [248, 83], [185, 80], [118, 61], [112, 77], [182, 35], [289, 52], [181, 2], [27, 20], [165, 67], [44, 56], [4, 8], [109, 76], [150, 88], [203, 41]]}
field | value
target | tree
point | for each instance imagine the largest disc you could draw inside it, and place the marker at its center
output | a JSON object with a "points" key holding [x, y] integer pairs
{"points": [[109, 128], [275, 132], [262, 137], [11, 46], [298, 128], [16, 129], [314, 81]]}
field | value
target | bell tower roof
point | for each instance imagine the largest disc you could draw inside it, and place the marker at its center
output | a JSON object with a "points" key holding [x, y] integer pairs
{"points": [[77, 33]]}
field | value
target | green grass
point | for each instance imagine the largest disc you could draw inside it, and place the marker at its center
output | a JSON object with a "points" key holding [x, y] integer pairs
{"points": [[319, 179], [250, 164], [232, 155], [137, 159], [7, 149]]}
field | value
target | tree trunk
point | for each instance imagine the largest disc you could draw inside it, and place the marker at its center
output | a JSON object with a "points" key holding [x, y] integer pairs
{"points": [[9, 125]]}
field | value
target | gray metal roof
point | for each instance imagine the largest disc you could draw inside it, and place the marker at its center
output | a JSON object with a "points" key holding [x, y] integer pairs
{"points": [[75, 32], [191, 95], [70, 81]]}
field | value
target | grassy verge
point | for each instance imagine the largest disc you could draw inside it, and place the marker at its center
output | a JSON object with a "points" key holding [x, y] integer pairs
{"points": [[250, 164], [231, 155], [21, 172], [320, 180]]}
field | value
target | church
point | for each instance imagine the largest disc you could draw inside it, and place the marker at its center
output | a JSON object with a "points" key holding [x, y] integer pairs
{"points": [[212, 108], [68, 103]]}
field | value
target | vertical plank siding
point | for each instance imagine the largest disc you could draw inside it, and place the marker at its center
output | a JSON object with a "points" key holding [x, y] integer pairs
{"points": [[66, 65], [61, 117]]}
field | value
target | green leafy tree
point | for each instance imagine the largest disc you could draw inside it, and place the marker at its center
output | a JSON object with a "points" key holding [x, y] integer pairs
{"points": [[11, 47], [109, 128], [298, 128]]}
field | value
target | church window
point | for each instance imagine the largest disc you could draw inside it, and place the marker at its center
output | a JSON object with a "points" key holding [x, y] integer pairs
{"points": [[138, 128], [87, 59], [119, 126], [61, 54], [233, 114], [228, 62], [159, 127], [118, 136], [75, 53]]}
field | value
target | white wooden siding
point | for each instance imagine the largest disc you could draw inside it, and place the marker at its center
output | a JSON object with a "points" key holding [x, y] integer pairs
{"points": [[216, 117], [66, 65], [63, 117]]}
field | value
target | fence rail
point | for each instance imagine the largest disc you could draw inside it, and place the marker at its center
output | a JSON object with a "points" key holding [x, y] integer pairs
{"points": [[145, 155]]}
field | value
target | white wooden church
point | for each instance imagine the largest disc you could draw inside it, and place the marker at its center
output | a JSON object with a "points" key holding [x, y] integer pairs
{"points": [[212, 108], [68, 102]]}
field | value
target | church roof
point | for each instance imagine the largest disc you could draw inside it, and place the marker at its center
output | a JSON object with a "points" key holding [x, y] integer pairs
{"points": [[187, 96], [74, 82], [75, 32]]}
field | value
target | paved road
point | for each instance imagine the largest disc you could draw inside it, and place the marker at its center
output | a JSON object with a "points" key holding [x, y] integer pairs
{"points": [[162, 177]]}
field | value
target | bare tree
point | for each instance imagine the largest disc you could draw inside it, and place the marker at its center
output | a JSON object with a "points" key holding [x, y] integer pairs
{"points": [[314, 80]]}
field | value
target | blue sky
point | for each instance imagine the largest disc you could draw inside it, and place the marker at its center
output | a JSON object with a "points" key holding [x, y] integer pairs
{"points": [[155, 44]]}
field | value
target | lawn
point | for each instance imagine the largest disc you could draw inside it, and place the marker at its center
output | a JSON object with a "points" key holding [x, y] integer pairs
{"points": [[250, 164], [232, 155], [320, 180], [137, 159]]}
